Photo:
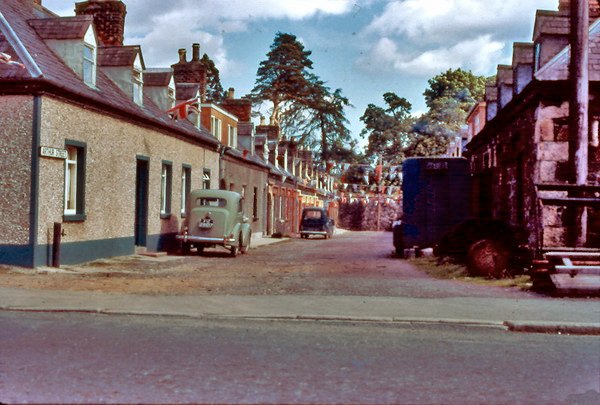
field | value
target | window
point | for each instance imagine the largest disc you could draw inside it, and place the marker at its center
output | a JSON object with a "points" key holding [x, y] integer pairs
{"points": [[186, 186], [165, 189], [215, 127], [171, 96], [536, 56], [89, 65], [206, 179], [74, 198], [138, 89], [231, 136]]}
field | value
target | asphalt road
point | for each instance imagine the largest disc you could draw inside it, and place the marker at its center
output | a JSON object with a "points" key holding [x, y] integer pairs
{"points": [[88, 358]]}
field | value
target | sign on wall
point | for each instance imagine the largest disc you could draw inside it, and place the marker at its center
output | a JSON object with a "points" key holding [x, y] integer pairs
{"points": [[57, 153]]}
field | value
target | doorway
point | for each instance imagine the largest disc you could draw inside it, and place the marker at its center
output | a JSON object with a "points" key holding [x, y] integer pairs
{"points": [[141, 201]]}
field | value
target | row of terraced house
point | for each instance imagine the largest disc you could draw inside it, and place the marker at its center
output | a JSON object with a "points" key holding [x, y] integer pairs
{"points": [[94, 140], [522, 143]]}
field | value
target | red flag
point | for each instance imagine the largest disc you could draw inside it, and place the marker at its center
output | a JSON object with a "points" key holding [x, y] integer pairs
{"points": [[378, 172], [182, 110]]}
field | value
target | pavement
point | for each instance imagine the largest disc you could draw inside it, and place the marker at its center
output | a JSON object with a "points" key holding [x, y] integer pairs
{"points": [[530, 314]]}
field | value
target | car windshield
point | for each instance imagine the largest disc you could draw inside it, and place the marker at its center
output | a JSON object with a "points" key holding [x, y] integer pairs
{"points": [[211, 202], [312, 214]]}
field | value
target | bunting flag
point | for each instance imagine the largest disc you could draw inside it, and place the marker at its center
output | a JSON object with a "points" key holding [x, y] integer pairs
{"points": [[7, 60], [378, 172], [182, 110]]}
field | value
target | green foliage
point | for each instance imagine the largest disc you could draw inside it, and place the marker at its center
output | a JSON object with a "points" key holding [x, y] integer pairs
{"points": [[394, 134], [283, 77], [460, 85], [214, 90], [302, 104], [389, 130]]}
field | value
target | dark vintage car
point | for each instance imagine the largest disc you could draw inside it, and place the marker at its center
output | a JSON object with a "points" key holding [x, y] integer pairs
{"points": [[315, 221], [215, 218]]}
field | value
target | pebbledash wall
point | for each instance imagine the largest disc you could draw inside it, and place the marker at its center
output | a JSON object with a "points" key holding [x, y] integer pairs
{"points": [[112, 147], [16, 169], [250, 180]]}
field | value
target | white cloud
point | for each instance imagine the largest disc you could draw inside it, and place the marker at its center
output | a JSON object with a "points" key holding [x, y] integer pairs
{"points": [[480, 55], [434, 21], [162, 27]]}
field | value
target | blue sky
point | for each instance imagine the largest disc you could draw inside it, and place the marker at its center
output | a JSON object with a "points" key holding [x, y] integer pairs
{"points": [[364, 47]]}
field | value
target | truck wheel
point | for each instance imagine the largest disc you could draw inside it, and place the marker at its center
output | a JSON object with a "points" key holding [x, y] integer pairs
{"points": [[487, 258]]}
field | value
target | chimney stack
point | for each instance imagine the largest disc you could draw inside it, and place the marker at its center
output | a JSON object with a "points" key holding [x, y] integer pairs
{"points": [[182, 56], [195, 52], [109, 19], [193, 71]]}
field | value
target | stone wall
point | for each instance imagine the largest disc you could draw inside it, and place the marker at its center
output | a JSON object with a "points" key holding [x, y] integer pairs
{"points": [[362, 216]]}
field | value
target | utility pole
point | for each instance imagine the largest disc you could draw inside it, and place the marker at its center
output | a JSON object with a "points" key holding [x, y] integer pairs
{"points": [[579, 106]]}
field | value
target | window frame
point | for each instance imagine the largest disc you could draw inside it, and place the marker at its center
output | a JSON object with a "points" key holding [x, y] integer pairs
{"points": [[76, 214], [206, 179], [89, 62], [186, 187], [166, 189], [137, 81]]}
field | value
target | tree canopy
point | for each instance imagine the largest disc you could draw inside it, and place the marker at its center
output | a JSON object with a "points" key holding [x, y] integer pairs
{"points": [[214, 90], [394, 134], [302, 104]]}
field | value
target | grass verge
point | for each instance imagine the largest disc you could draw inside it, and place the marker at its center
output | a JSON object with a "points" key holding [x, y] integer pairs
{"points": [[453, 271]]}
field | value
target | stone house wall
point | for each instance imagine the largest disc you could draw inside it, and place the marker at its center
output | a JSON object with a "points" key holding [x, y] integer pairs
{"points": [[112, 146], [16, 115]]}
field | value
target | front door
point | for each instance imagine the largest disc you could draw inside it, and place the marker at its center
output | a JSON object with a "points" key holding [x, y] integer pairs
{"points": [[141, 201]]}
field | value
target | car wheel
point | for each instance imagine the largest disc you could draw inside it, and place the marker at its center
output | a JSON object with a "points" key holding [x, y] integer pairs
{"points": [[244, 248], [200, 249]]}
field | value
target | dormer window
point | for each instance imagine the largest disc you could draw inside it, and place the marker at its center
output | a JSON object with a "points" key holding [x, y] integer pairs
{"points": [[138, 87], [171, 96], [89, 64]]}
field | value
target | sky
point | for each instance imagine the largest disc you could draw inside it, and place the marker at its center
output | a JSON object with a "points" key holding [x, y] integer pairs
{"points": [[364, 47]]}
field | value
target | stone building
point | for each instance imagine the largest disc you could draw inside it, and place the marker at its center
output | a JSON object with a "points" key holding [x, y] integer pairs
{"points": [[83, 145], [523, 148], [104, 149]]}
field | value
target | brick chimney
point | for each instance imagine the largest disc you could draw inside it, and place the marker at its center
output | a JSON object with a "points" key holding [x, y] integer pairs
{"points": [[271, 130], [109, 19], [241, 107], [193, 71]]}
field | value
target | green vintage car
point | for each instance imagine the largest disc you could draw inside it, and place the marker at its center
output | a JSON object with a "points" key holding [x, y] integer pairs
{"points": [[215, 218]]}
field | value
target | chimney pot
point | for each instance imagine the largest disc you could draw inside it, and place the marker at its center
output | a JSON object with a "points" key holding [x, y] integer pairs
{"points": [[182, 56], [195, 52], [231, 94]]}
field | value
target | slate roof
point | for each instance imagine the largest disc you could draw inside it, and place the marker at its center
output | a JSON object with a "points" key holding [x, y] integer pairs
{"points": [[46, 72], [118, 55], [186, 91], [62, 27], [157, 77]]}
